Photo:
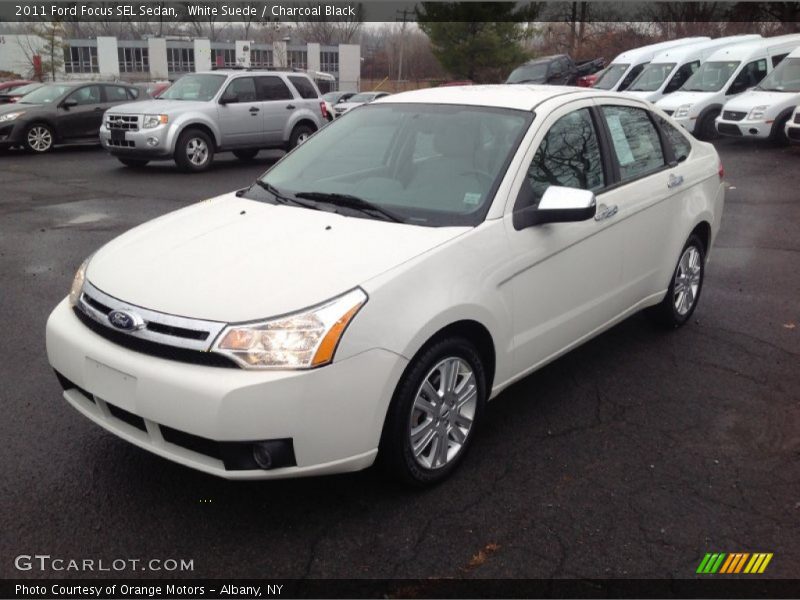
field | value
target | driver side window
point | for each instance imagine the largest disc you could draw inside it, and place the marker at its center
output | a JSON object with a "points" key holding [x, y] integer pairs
{"points": [[86, 95], [569, 156], [243, 89]]}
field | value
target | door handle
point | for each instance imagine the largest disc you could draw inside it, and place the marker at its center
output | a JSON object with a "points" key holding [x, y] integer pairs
{"points": [[605, 212], [290, 107], [254, 110], [674, 181]]}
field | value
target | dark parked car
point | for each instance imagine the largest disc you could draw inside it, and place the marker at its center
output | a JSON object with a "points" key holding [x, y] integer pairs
{"points": [[8, 96], [60, 113], [558, 69]]}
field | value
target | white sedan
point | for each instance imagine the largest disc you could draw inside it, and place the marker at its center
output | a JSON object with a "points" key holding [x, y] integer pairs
{"points": [[340, 108], [362, 305]]}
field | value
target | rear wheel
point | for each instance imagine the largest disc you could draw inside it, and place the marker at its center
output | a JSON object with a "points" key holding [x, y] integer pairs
{"points": [[194, 151], [299, 135], [684, 290], [39, 138], [133, 162], [246, 153], [434, 412]]}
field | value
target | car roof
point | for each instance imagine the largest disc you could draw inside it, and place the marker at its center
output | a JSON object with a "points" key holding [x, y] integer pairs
{"points": [[747, 49], [635, 55], [680, 53], [516, 96], [794, 53]]}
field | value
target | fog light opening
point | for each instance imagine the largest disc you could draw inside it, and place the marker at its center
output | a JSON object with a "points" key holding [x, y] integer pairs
{"points": [[753, 131], [262, 455], [152, 141]]}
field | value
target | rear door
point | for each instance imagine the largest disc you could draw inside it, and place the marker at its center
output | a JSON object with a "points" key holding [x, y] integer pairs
{"points": [[277, 104], [82, 120], [308, 92], [241, 118]]}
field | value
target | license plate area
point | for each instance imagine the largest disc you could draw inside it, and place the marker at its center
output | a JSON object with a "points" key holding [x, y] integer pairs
{"points": [[117, 135], [109, 384]]}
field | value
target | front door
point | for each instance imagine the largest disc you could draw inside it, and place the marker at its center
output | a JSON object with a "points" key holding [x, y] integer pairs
{"points": [[83, 119], [241, 117]]}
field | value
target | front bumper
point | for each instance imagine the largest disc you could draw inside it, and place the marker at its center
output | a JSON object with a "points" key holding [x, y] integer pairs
{"points": [[332, 415], [793, 132], [744, 128], [11, 134], [143, 143], [686, 122]]}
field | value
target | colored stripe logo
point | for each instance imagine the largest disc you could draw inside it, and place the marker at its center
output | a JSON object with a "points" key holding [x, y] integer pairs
{"points": [[733, 563]]}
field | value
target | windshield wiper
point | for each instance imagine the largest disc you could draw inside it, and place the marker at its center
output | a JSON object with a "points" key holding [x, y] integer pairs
{"points": [[281, 198], [348, 201]]}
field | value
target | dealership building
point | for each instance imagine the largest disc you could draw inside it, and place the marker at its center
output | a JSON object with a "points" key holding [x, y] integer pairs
{"points": [[109, 58]]}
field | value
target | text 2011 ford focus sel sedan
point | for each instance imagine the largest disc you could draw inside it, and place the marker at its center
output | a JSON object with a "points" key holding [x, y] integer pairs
{"points": [[366, 304]]}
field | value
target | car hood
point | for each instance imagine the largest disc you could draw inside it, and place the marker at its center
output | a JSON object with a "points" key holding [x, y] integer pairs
{"points": [[231, 259], [676, 99], [16, 107], [750, 100], [156, 107], [641, 94]]}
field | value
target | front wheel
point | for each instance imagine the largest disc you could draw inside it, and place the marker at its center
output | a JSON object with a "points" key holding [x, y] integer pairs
{"points": [[778, 134], [684, 290], [434, 412], [194, 151], [39, 138], [707, 127]]}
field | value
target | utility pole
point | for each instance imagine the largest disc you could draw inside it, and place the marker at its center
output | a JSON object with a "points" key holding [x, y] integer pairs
{"points": [[403, 17]]}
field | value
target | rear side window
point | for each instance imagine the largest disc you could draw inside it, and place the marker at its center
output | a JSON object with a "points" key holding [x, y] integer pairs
{"points": [[635, 140], [569, 155], [272, 88], [680, 145], [117, 93], [304, 87]]}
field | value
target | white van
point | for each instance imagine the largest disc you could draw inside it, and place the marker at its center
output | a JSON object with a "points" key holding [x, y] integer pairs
{"points": [[764, 111], [670, 69], [627, 66], [728, 72], [792, 129]]}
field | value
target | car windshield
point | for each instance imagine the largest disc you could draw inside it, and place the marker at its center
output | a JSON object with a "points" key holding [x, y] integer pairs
{"points": [[25, 89], [711, 76], [611, 76], [652, 77], [46, 94], [524, 73], [365, 97], [194, 87], [785, 77], [428, 164]]}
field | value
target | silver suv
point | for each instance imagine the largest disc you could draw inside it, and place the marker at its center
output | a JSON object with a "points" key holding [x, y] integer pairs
{"points": [[216, 111]]}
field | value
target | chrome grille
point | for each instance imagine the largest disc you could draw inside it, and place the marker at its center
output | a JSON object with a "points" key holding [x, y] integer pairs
{"points": [[732, 115], [124, 122], [161, 328]]}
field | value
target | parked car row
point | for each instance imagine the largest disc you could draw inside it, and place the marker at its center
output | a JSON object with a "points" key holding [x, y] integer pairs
{"points": [[559, 69]]}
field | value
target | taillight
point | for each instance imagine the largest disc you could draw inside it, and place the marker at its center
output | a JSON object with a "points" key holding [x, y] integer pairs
{"points": [[721, 171], [324, 110]]}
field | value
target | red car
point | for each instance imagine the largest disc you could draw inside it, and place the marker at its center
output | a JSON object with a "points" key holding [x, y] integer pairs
{"points": [[7, 86], [13, 94], [588, 80]]}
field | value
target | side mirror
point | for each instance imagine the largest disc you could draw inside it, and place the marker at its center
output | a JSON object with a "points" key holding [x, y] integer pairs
{"points": [[558, 205], [229, 98], [69, 103]]}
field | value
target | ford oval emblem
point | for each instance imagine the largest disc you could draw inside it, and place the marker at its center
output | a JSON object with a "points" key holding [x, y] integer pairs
{"points": [[125, 320]]}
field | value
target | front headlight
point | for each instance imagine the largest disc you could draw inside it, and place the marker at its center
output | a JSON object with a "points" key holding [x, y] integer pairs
{"points": [[11, 116], [301, 340], [151, 121], [758, 112], [77, 283], [682, 111]]}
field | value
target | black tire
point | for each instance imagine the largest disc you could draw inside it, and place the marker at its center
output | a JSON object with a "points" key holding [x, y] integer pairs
{"points": [[778, 134], [396, 456], [667, 313], [299, 134], [133, 162], [189, 143], [707, 128], [38, 138], [246, 153]]}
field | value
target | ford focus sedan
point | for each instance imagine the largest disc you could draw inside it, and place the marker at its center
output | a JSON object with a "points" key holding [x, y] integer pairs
{"points": [[362, 306]]}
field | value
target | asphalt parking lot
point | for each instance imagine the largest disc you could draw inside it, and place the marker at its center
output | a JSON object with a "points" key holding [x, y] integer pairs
{"points": [[630, 457]]}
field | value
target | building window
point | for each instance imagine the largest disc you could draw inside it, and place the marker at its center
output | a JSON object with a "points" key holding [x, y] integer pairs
{"points": [[329, 62], [180, 60], [81, 59], [297, 59], [227, 56], [133, 60], [261, 59]]}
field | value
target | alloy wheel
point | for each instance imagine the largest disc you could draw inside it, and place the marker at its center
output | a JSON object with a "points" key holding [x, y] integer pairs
{"points": [[197, 151], [39, 138], [687, 280]]}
